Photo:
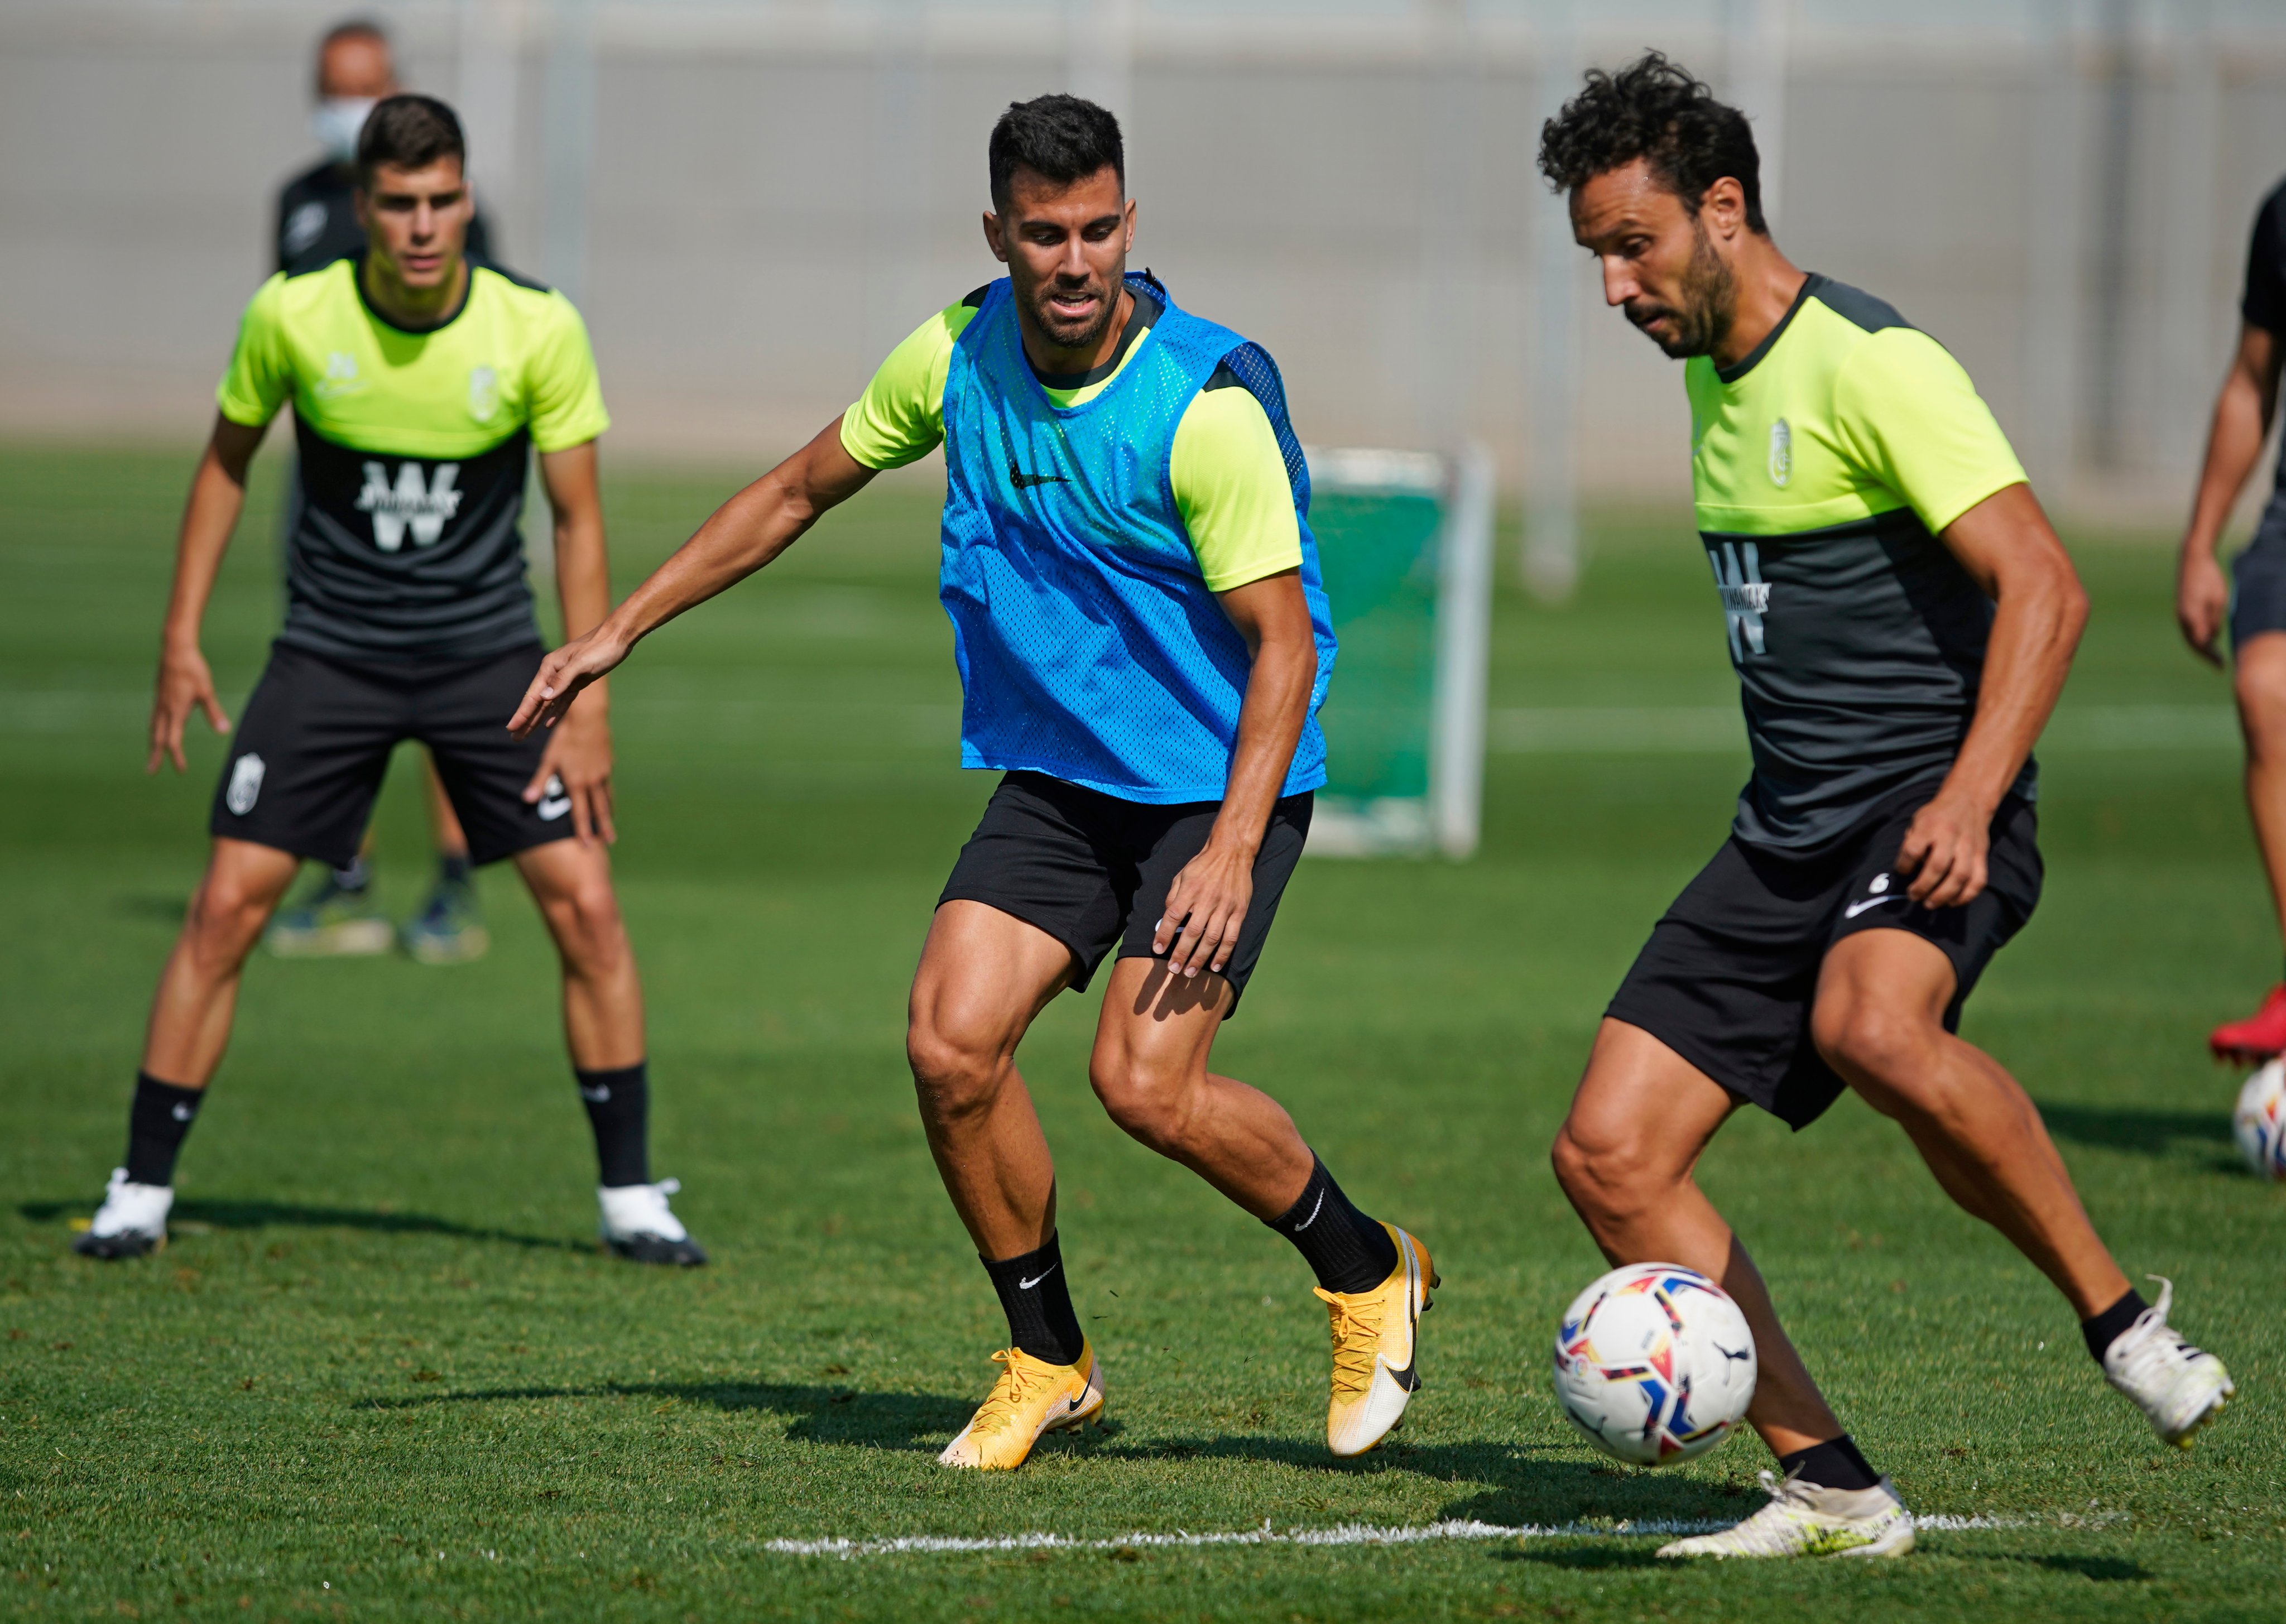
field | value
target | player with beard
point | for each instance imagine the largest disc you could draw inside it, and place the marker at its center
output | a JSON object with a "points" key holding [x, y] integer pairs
{"points": [[1901, 619], [1144, 645]]}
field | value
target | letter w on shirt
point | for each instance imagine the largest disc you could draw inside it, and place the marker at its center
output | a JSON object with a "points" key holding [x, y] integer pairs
{"points": [[1745, 596], [409, 503]]}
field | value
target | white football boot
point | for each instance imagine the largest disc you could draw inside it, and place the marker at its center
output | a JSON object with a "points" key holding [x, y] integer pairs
{"points": [[1805, 1521], [131, 1222], [640, 1226], [2178, 1387]]}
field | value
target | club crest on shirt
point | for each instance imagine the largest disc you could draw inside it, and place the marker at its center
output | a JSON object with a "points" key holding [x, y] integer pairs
{"points": [[484, 393], [1781, 453], [341, 377]]}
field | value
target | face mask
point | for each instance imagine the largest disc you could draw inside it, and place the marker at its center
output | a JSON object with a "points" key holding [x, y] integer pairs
{"points": [[336, 121]]}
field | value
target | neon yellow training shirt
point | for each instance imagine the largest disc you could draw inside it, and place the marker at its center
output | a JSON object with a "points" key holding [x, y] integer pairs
{"points": [[1228, 476], [413, 452], [1824, 465]]}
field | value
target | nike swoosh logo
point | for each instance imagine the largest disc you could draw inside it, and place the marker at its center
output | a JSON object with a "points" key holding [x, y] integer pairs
{"points": [[1855, 909], [553, 810], [1312, 1219], [1023, 481], [1026, 1285]]}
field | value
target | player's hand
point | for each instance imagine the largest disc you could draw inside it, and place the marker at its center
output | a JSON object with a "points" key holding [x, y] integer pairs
{"points": [[579, 755], [185, 685], [2202, 601], [560, 677], [1205, 907], [1944, 850]]}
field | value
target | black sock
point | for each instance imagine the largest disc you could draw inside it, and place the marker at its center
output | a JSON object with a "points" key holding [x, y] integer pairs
{"points": [[353, 877], [451, 870], [618, 1109], [1345, 1249], [1036, 1298], [2101, 1330], [1833, 1465], [156, 1125]]}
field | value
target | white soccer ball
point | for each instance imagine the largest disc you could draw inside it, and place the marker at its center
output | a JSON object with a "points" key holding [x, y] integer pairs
{"points": [[2259, 1121], [1655, 1364]]}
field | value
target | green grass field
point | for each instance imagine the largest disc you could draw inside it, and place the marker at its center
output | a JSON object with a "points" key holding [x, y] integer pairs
{"points": [[382, 1372]]}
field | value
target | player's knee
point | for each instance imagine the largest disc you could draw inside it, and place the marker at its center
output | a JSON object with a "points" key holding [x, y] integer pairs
{"points": [[1148, 1102], [226, 917], [1606, 1178], [2262, 711], [955, 1073], [1871, 1042], [585, 920]]}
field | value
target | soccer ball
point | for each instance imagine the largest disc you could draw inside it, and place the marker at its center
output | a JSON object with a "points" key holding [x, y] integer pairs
{"points": [[2260, 1120], [1654, 1363]]}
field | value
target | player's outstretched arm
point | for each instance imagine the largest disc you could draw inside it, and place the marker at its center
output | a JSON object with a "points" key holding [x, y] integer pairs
{"points": [[2007, 546], [745, 532], [2241, 423], [218, 495], [1207, 902]]}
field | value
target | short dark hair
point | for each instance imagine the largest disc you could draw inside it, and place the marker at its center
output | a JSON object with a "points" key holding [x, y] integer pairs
{"points": [[1655, 110], [408, 132], [1062, 138]]}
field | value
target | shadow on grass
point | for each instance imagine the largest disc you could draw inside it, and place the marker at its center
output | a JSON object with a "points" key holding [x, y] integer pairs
{"points": [[2096, 1570], [1514, 1483], [1589, 1557], [274, 1214], [820, 1415], [2152, 1132], [166, 907]]}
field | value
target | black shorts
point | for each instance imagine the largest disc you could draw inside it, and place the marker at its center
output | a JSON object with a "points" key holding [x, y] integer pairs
{"points": [[2257, 579], [1094, 871], [1728, 977], [311, 749]]}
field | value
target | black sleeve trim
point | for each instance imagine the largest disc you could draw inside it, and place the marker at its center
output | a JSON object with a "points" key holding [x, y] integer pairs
{"points": [[1222, 377], [975, 300]]}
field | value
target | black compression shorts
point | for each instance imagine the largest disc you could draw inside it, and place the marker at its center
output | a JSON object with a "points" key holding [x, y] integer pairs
{"points": [[1094, 871], [312, 748], [1729, 975], [2258, 580]]}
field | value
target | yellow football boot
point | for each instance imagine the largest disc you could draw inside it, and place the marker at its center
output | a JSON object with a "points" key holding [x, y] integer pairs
{"points": [[1375, 1371], [1032, 1398]]}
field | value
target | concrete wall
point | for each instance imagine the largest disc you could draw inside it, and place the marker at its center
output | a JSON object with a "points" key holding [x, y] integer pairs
{"points": [[779, 190]]}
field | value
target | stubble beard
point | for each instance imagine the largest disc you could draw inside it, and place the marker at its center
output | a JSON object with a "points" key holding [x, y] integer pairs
{"points": [[1709, 302], [1066, 334]]}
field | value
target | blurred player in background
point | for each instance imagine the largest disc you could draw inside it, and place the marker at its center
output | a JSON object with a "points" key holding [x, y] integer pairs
{"points": [[317, 224], [1901, 617], [421, 385], [1143, 643], [2256, 611]]}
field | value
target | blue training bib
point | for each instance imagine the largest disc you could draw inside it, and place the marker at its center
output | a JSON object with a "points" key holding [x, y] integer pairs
{"points": [[1089, 645]]}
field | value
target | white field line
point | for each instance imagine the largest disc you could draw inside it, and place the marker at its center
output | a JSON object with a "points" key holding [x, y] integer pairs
{"points": [[1341, 1533]]}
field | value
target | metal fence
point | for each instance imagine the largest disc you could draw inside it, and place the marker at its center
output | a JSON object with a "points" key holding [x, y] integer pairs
{"points": [[752, 202]]}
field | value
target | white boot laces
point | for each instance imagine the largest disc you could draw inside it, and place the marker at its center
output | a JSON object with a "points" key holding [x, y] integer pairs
{"points": [[2150, 1349]]}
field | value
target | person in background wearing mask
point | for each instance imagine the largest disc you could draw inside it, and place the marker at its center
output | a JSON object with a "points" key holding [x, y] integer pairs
{"points": [[317, 224]]}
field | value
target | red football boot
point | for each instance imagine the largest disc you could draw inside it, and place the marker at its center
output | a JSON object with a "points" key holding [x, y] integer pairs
{"points": [[2260, 1037]]}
